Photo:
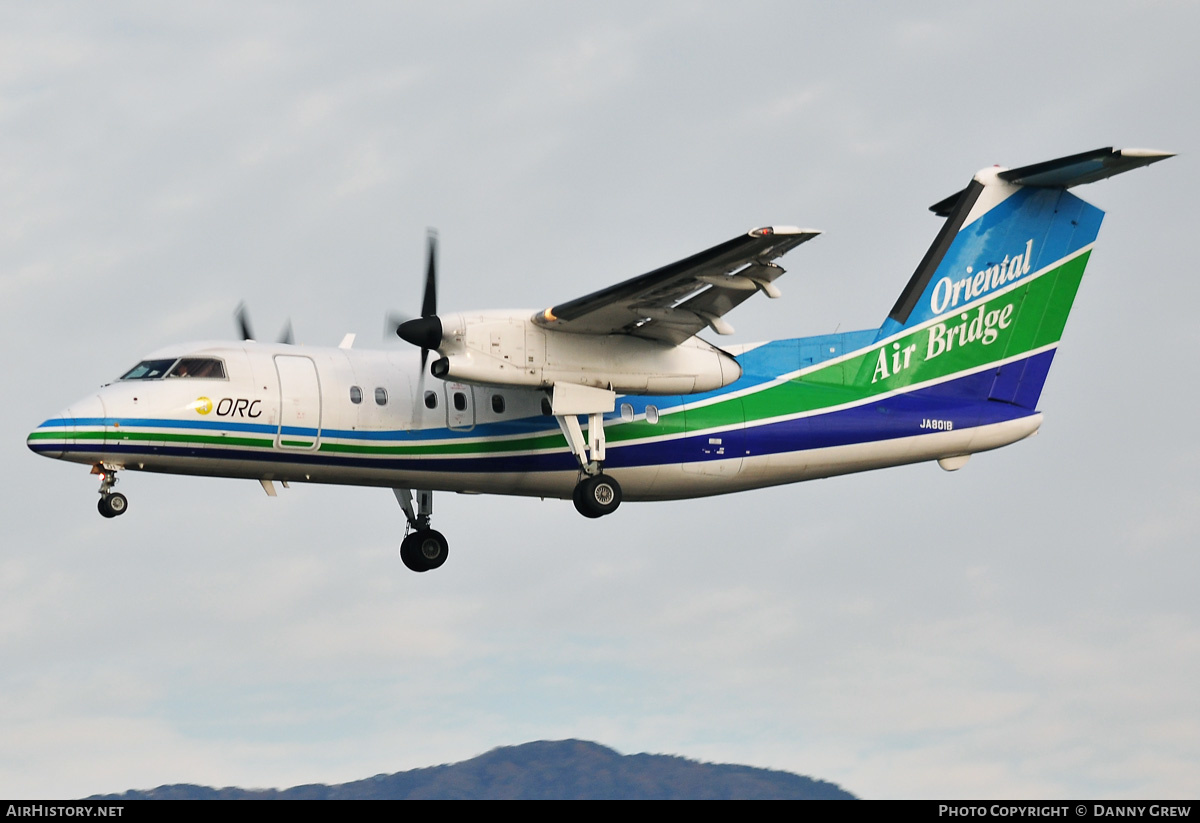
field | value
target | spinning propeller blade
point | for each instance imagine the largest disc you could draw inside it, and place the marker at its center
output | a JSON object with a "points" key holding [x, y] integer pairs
{"points": [[243, 322], [426, 330], [429, 300]]}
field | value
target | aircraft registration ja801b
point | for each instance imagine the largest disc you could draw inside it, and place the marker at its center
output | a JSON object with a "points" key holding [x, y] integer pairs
{"points": [[614, 396]]}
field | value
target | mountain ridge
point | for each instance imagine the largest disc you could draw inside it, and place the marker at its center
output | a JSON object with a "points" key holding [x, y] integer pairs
{"points": [[543, 769]]}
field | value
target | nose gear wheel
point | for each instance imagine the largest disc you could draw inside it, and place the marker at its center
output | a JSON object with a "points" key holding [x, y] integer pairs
{"points": [[113, 504]]}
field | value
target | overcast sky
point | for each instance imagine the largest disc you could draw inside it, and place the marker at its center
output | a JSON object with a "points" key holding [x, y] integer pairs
{"points": [[1025, 627]]}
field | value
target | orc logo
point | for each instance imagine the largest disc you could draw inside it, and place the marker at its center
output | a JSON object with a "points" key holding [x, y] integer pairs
{"points": [[229, 407]]}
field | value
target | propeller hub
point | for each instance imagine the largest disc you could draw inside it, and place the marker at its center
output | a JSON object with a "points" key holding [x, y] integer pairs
{"points": [[425, 332]]}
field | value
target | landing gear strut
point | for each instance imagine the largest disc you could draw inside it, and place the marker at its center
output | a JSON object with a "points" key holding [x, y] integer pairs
{"points": [[423, 548], [111, 504]]}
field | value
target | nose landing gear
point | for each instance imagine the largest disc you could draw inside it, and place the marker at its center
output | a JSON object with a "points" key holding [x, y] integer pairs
{"points": [[111, 504]]}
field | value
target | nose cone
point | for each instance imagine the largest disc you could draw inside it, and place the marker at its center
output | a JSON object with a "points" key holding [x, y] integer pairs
{"points": [[50, 438], [57, 437]]}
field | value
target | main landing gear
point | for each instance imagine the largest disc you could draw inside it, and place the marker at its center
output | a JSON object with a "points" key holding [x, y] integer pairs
{"points": [[423, 548], [111, 504], [596, 494]]}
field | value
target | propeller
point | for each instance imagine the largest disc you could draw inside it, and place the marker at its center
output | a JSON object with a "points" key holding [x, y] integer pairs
{"points": [[243, 322], [424, 331]]}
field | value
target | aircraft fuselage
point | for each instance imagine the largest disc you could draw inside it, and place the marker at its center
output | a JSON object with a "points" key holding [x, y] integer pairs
{"points": [[362, 417]]}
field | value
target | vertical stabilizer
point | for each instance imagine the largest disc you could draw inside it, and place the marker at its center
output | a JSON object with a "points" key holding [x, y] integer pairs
{"points": [[992, 294]]}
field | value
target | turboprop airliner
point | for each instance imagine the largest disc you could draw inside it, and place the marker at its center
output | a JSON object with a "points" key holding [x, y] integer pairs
{"points": [[614, 396]]}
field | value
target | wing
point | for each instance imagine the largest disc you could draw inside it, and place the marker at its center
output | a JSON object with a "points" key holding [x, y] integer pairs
{"points": [[677, 301]]}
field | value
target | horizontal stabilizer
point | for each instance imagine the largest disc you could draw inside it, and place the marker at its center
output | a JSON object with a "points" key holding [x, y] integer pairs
{"points": [[1078, 169], [1066, 172]]}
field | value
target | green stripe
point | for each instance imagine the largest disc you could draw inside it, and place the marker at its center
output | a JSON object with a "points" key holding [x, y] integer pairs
{"points": [[550, 441], [115, 435]]}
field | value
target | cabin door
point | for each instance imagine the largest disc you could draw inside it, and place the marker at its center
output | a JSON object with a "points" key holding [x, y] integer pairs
{"points": [[299, 403]]}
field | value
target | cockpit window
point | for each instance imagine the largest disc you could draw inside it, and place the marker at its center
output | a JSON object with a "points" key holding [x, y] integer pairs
{"points": [[149, 370], [206, 367]]}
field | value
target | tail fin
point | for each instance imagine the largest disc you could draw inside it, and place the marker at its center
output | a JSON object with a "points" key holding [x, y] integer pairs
{"points": [[992, 294]]}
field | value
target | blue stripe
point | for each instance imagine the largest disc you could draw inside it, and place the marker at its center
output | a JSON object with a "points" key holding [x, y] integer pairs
{"points": [[157, 423], [495, 429]]}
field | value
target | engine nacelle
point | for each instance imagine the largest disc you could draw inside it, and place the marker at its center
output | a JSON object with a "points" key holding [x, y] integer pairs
{"points": [[508, 349]]}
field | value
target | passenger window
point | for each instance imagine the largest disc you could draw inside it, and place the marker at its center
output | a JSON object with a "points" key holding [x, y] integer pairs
{"points": [[381, 397], [652, 414], [430, 400], [355, 394], [627, 412], [460, 401], [498, 403]]}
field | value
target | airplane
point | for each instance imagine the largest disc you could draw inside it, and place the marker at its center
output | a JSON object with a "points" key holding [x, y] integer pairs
{"points": [[955, 368]]}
